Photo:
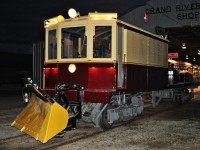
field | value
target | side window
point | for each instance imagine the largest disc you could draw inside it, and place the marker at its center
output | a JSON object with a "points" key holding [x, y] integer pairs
{"points": [[52, 45], [102, 42], [74, 43]]}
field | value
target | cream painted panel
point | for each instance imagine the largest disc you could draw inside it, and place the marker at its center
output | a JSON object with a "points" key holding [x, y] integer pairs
{"points": [[144, 50], [163, 54], [157, 53], [136, 48], [152, 52]]}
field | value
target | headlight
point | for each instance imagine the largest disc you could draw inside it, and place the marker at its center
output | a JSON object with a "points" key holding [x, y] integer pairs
{"points": [[72, 68]]}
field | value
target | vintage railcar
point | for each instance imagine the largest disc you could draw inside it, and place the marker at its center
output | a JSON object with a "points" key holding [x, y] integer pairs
{"points": [[102, 70], [114, 62]]}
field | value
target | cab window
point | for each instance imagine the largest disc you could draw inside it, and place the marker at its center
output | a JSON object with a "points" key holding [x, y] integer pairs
{"points": [[52, 45], [102, 42], [73, 42]]}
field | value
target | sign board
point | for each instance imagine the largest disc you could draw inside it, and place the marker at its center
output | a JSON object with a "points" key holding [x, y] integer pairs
{"points": [[173, 55]]}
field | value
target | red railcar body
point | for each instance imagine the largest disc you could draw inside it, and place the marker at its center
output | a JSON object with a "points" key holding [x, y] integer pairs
{"points": [[99, 81]]}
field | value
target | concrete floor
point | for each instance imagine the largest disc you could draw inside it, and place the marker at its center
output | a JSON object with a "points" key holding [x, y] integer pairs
{"points": [[169, 126]]}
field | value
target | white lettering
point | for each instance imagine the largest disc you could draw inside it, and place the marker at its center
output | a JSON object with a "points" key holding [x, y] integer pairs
{"points": [[159, 10]]}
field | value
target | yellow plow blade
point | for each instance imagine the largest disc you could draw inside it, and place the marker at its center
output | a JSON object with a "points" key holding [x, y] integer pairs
{"points": [[41, 120]]}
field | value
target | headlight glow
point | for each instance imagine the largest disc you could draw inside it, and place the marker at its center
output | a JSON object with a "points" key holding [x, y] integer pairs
{"points": [[72, 68]]}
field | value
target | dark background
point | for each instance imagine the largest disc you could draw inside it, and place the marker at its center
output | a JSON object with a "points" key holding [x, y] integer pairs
{"points": [[21, 25]]}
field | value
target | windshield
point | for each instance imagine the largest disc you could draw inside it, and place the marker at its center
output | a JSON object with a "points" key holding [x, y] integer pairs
{"points": [[102, 42], [74, 42], [52, 45]]}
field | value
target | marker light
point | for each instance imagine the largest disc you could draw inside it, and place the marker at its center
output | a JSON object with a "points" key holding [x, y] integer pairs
{"points": [[53, 20], [72, 68], [102, 16], [72, 13]]}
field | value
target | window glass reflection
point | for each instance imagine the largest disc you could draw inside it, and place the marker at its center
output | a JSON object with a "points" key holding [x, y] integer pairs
{"points": [[52, 45], [74, 42], [102, 42]]}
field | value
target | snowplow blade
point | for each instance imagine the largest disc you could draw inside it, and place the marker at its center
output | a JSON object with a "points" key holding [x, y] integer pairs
{"points": [[41, 119]]}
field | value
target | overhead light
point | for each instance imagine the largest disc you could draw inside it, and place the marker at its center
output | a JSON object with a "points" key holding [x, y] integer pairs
{"points": [[183, 46], [170, 72], [73, 13], [194, 59], [186, 57], [198, 52]]}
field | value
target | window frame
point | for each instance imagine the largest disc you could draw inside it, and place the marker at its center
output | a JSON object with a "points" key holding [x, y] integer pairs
{"points": [[90, 32], [47, 44], [80, 45], [113, 25]]}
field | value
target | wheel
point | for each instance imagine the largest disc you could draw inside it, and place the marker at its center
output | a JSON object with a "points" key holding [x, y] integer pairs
{"points": [[103, 122]]}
